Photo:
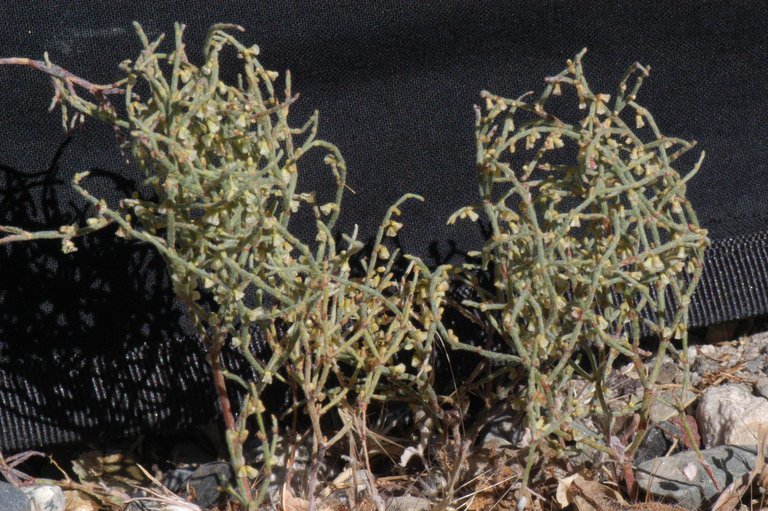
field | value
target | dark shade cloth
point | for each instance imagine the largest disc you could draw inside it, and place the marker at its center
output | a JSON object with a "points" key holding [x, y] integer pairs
{"points": [[92, 344]]}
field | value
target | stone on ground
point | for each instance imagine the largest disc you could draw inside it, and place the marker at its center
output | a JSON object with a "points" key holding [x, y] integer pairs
{"points": [[13, 499], [46, 498], [682, 478], [731, 415]]}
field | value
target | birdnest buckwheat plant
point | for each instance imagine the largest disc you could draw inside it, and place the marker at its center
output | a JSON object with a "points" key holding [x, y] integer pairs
{"points": [[592, 245], [340, 328]]}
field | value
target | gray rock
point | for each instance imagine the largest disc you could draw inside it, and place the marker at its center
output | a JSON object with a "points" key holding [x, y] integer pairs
{"points": [[407, 503], [730, 415], [660, 438], [506, 430], [682, 478], [669, 372], [46, 498], [754, 366], [176, 479], [142, 501], [138, 505], [207, 481], [654, 445], [145, 501], [761, 387], [13, 499], [705, 364]]}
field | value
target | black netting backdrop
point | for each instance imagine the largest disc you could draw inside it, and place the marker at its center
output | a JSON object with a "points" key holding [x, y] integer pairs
{"points": [[92, 344]]}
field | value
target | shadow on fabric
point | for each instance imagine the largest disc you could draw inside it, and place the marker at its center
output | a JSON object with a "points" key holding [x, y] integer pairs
{"points": [[119, 357]]}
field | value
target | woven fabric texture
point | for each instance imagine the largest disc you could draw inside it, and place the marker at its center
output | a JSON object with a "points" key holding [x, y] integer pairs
{"points": [[92, 344]]}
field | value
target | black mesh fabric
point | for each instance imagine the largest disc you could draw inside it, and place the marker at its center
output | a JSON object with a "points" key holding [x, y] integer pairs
{"points": [[92, 344]]}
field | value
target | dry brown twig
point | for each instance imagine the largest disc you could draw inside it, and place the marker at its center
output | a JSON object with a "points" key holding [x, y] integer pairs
{"points": [[59, 72], [9, 471]]}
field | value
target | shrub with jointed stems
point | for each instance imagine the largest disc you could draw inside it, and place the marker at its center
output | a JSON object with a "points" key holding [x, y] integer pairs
{"points": [[223, 163], [592, 245]]}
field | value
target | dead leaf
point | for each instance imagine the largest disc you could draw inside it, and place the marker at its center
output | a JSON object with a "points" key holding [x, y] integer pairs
{"points": [[561, 494], [291, 503], [599, 493], [76, 501], [683, 437], [571, 489], [115, 469]]}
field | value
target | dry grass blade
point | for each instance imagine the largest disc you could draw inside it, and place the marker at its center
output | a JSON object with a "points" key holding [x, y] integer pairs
{"points": [[164, 496], [492, 490]]}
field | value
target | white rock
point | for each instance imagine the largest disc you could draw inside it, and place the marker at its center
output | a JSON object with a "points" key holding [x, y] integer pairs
{"points": [[730, 415], [46, 498]]}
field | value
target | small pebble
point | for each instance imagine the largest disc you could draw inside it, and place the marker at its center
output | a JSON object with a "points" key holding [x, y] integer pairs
{"points": [[46, 498], [507, 430], [761, 387], [656, 443]]}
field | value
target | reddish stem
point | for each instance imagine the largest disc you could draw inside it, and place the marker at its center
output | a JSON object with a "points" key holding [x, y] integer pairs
{"points": [[220, 383], [59, 72]]}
